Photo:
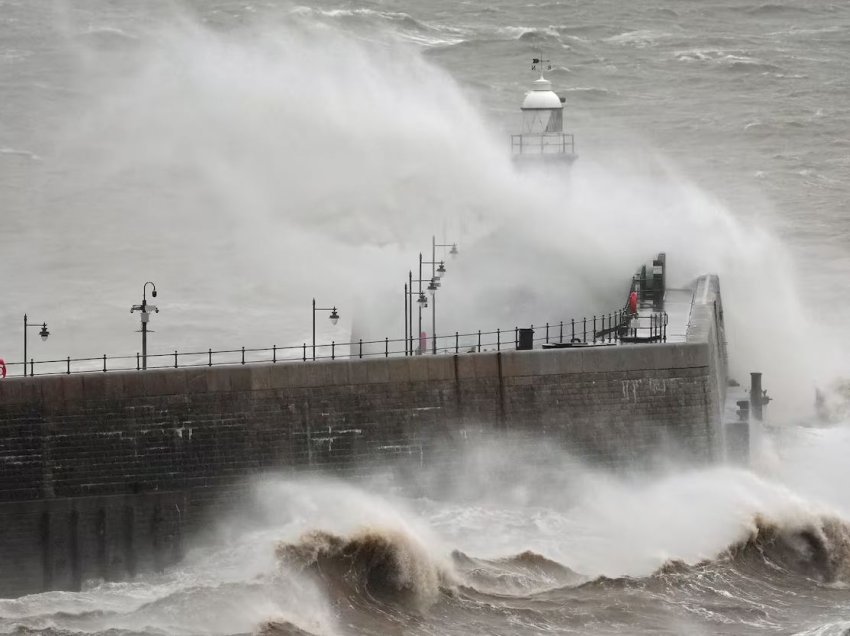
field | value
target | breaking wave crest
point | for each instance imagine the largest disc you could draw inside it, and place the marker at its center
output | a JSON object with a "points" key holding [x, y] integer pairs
{"points": [[524, 573], [818, 548], [375, 565]]}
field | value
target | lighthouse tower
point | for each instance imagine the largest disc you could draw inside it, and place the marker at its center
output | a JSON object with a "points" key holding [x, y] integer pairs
{"points": [[543, 137]]}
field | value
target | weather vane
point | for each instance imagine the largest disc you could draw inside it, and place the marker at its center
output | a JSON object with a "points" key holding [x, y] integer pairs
{"points": [[538, 64]]}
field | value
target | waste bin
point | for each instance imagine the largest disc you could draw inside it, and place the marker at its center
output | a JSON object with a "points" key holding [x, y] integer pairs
{"points": [[526, 339]]}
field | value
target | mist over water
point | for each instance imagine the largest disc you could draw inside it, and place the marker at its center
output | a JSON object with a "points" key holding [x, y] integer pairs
{"points": [[248, 159]]}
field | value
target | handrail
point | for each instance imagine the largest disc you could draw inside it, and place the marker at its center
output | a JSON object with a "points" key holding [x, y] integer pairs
{"points": [[601, 329], [543, 143]]}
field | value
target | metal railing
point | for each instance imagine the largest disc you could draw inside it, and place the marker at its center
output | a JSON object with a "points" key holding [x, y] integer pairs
{"points": [[543, 144], [605, 329]]}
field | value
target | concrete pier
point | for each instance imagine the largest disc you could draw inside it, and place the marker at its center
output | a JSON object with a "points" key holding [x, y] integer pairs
{"points": [[105, 475]]}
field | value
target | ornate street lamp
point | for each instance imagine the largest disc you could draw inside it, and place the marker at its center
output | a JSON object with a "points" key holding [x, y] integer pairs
{"points": [[43, 333], [145, 310], [334, 318]]}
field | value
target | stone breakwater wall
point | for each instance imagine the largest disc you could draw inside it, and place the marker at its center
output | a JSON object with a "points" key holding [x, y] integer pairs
{"points": [[104, 475]]}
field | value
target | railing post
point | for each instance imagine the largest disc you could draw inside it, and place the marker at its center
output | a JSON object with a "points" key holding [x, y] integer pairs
{"points": [[138, 364], [479, 341], [572, 330], [457, 341], [361, 347], [584, 330], [561, 337], [68, 372], [547, 333], [333, 350], [665, 326], [32, 367], [387, 347], [104, 363], [209, 353], [243, 355], [498, 340], [175, 358], [305, 352], [594, 329], [516, 335], [274, 354]]}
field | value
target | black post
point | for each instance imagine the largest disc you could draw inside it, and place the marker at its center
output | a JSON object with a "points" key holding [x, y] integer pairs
{"points": [[210, 358], [756, 396], [457, 342], [361, 347], [314, 329], [333, 350], [144, 341], [479, 341], [410, 308], [498, 341], [104, 363], [68, 372], [405, 319], [387, 347], [243, 355], [274, 353]]}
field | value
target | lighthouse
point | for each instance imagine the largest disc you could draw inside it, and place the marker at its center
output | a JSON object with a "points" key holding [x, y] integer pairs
{"points": [[543, 138]]}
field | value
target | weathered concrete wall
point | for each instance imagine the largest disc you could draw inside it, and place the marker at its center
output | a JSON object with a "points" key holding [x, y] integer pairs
{"points": [[104, 474]]}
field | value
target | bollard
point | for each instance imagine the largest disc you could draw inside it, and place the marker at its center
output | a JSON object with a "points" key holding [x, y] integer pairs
{"points": [[138, 365], [274, 354], [361, 347], [243, 355], [333, 348], [68, 372], [104, 363], [305, 352], [175, 358], [209, 361]]}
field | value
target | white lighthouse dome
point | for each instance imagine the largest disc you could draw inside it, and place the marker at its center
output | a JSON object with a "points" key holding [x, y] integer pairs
{"points": [[541, 95]]}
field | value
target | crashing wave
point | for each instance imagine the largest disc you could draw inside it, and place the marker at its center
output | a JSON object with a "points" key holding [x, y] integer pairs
{"points": [[388, 566], [524, 573]]}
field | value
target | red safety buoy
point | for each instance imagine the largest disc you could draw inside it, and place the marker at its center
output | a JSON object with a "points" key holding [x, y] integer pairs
{"points": [[2, 368], [633, 302]]}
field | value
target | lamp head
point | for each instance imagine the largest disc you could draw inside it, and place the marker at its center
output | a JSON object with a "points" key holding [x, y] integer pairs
{"points": [[453, 251], [44, 332], [153, 293], [441, 270], [422, 300], [334, 317]]}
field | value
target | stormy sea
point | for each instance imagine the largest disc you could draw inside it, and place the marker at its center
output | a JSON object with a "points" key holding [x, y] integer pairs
{"points": [[249, 156]]}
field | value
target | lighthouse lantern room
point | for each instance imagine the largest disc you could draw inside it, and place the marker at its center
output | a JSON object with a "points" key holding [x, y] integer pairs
{"points": [[543, 135]]}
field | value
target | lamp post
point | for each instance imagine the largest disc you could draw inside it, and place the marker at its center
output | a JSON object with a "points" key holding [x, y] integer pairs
{"points": [[436, 274], [145, 310], [334, 317], [421, 301], [43, 333]]}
